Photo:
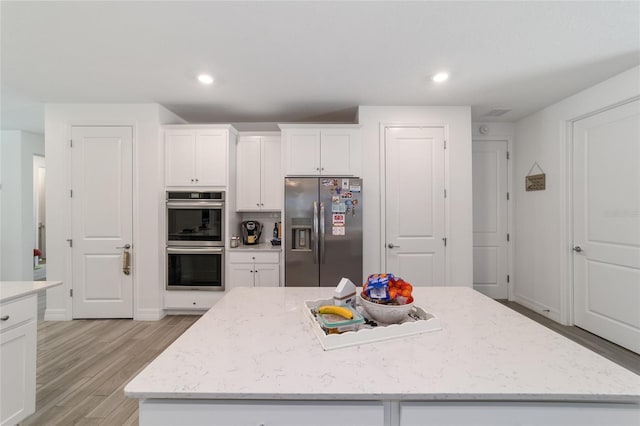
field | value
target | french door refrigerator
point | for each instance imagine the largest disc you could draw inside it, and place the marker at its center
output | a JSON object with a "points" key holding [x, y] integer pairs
{"points": [[323, 231]]}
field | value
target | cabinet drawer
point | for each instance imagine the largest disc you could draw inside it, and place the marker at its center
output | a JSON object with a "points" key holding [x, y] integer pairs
{"points": [[254, 257], [18, 311], [281, 413]]}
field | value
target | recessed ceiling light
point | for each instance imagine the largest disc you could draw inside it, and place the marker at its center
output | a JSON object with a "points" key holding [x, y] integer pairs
{"points": [[440, 77], [205, 79]]}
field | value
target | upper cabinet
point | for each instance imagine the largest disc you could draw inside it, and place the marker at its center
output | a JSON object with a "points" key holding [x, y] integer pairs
{"points": [[315, 150], [259, 173], [197, 156]]}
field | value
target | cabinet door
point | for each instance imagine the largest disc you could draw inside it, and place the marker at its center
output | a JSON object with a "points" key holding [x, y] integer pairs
{"points": [[267, 275], [248, 174], [240, 275], [337, 151], [271, 176], [302, 151], [179, 155], [211, 157], [18, 372]]}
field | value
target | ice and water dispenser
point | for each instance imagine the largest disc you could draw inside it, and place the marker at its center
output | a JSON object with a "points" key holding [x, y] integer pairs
{"points": [[301, 238]]}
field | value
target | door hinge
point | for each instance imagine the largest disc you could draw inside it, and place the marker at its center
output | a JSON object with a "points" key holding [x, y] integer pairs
{"points": [[445, 144], [444, 240], [508, 155], [508, 237], [507, 196], [70, 292], [445, 193], [70, 241], [508, 278]]}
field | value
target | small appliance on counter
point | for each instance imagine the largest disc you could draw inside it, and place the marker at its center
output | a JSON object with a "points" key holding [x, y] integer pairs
{"points": [[251, 231]]}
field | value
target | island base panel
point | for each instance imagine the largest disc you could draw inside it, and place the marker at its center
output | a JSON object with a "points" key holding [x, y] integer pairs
{"points": [[168, 412]]}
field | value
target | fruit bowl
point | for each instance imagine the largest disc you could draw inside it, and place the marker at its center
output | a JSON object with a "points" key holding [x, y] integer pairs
{"points": [[387, 314]]}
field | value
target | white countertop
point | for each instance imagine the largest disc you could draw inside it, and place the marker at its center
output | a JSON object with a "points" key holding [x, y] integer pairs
{"points": [[257, 247], [10, 290], [256, 344]]}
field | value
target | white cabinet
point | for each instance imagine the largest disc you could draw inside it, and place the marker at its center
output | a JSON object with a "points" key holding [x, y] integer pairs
{"points": [[187, 300], [259, 174], [254, 269], [18, 359], [251, 412], [321, 151], [196, 156]]}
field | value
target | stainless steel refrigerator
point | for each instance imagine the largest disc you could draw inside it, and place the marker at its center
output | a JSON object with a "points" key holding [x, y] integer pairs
{"points": [[322, 231]]}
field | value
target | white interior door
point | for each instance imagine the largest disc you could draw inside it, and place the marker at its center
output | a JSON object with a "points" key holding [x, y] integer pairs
{"points": [[490, 218], [606, 231], [102, 221], [414, 204]]}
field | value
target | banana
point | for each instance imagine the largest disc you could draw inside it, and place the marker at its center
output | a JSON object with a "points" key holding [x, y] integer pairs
{"points": [[336, 310]]}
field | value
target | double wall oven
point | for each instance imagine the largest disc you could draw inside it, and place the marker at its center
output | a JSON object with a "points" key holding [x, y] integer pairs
{"points": [[195, 240]]}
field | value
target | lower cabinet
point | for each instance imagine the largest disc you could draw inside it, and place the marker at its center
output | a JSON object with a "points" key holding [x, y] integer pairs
{"points": [[265, 413], [18, 359], [188, 300], [254, 269]]}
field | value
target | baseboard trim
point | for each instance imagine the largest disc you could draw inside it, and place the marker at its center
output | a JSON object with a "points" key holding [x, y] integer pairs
{"points": [[539, 308], [149, 314], [56, 315], [185, 311]]}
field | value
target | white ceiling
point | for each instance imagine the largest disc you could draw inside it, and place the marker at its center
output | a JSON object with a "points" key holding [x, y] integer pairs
{"points": [[308, 61]]}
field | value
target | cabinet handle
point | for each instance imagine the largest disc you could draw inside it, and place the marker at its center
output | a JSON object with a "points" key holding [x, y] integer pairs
{"points": [[4, 317], [258, 204], [321, 168], [197, 180]]}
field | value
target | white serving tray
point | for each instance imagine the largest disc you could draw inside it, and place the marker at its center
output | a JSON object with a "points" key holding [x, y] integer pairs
{"points": [[427, 322]]}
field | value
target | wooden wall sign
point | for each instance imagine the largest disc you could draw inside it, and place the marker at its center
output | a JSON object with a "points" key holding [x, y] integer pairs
{"points": [[535, 182]]}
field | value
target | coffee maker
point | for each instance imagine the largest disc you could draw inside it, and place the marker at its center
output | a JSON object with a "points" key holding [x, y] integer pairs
{"points": [[251, 231]]}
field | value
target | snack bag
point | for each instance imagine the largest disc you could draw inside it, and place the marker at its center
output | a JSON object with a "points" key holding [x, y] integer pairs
{"points": [[378, 286]]}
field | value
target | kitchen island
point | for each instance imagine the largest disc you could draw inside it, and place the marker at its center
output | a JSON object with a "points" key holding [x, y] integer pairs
{"points": [[254, 359]]}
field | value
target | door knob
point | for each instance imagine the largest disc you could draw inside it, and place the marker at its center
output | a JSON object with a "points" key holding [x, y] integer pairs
{"points": [[577, 249], [126, 246], [391, 245]]}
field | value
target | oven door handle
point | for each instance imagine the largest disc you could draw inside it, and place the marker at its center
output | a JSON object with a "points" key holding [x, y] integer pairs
{"points": [[191, 250], [194, 204]]}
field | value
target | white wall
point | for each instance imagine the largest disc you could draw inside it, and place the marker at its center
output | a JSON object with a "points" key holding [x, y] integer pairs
{"points": [[542, 218], [17, 232], [457, 121], [147, 194]]}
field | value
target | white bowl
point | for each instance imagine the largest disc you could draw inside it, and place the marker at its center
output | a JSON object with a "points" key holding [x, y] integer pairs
{"points": [[387, 314]]}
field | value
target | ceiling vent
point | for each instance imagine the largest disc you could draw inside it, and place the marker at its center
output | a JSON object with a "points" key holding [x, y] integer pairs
{"points": [[497, 112]]}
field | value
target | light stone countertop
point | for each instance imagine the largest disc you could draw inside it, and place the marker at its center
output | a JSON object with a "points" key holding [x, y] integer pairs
{"points": [[256, 344], [10, 290], [257, 247]]}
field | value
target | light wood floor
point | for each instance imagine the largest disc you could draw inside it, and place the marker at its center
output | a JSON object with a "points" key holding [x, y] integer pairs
{"points": [[83, 365]]}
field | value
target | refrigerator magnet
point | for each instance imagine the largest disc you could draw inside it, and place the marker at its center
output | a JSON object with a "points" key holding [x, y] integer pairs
{"points": [[338, 219], [338, 208], [354, 188], [345, 184], [335, 199], [338, 230]]}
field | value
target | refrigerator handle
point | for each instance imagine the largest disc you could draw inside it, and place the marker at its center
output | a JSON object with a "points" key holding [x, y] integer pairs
{"points": [[321, 232], [315, 232]]}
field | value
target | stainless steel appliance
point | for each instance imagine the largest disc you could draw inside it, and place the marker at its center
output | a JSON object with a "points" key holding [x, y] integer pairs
{"points": [[195, 268], [251, 231], [195, 219], [323, 231], [195, 240]]}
